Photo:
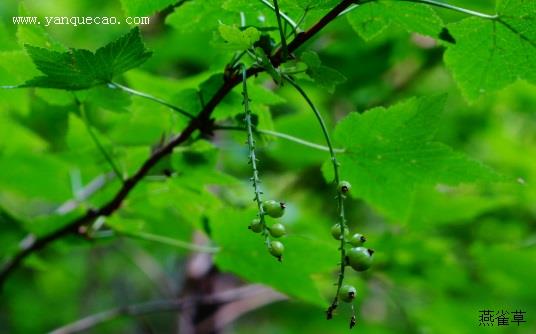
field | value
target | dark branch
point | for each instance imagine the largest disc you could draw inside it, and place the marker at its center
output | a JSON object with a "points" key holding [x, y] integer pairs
{"points": [[200, 122]]}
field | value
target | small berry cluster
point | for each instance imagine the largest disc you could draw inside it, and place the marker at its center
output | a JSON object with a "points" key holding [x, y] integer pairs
{"points": [[357, 257], [273, 209]]}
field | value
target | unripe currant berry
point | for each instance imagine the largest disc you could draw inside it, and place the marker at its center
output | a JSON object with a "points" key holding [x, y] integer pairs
{"points": [[273, 208], [359, 258], [277, 249], [357, 240], [256, 225], [347, 293], [277, 230], [336, 231], [344, 187]]}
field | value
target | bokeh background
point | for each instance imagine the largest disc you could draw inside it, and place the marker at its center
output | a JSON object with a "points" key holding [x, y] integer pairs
{"points": [[457, 252]]}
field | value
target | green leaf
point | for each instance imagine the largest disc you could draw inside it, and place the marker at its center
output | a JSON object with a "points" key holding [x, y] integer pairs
{"points": [[81, 69], [143, 7], [244, 253], [322, 75], [391, 151], [237, 39], [372, 18], [491, 54]]}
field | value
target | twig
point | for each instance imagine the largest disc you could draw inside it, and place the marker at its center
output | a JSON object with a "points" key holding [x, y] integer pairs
{"points": [[201, 122], [92, 187]]}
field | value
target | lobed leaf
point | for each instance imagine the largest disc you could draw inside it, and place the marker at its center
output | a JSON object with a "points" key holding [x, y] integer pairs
{"points": [[389, 152], [79, 69], [491, 54]]}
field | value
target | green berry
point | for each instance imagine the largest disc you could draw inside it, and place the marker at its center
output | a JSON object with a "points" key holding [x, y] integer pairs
{"points": [[276, 249], [357, 240], [336, 231], [359, 258], [344, 187], [347, 293], [277, 230], [273, 208], [256, 225]]}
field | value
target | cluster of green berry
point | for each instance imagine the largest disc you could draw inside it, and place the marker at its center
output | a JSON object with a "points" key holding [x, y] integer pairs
{"points": [[357, 257], [273, 209]]}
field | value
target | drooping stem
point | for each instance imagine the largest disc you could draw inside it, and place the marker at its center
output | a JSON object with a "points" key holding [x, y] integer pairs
{"points": [[255, 180], [150, 97], [339, 196], [284, 48], [282, 136], [320, 121]]}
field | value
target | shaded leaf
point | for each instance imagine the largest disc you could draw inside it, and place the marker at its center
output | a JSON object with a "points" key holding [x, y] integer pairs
{"points": [[391, 151], [491, 54], [372, 18], [81, 69]]}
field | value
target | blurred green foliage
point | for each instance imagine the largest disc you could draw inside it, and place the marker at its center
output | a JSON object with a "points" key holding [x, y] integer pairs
{"points": [[444, 250]]}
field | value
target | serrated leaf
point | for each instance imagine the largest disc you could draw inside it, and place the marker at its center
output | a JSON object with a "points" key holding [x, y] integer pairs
{"points": [[491, 54], [372, 18], [389, 152], [81, 69]]}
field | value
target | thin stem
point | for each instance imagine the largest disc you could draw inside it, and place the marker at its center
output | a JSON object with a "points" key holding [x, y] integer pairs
{"points": [[321, 122], [150, 97], [167, 241], [436, 4], [97, 142], [348, 10], [339, 197], [300, 21], [284, 16], [455, 8], [255, 180], [284, 47], [282, 136]]}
